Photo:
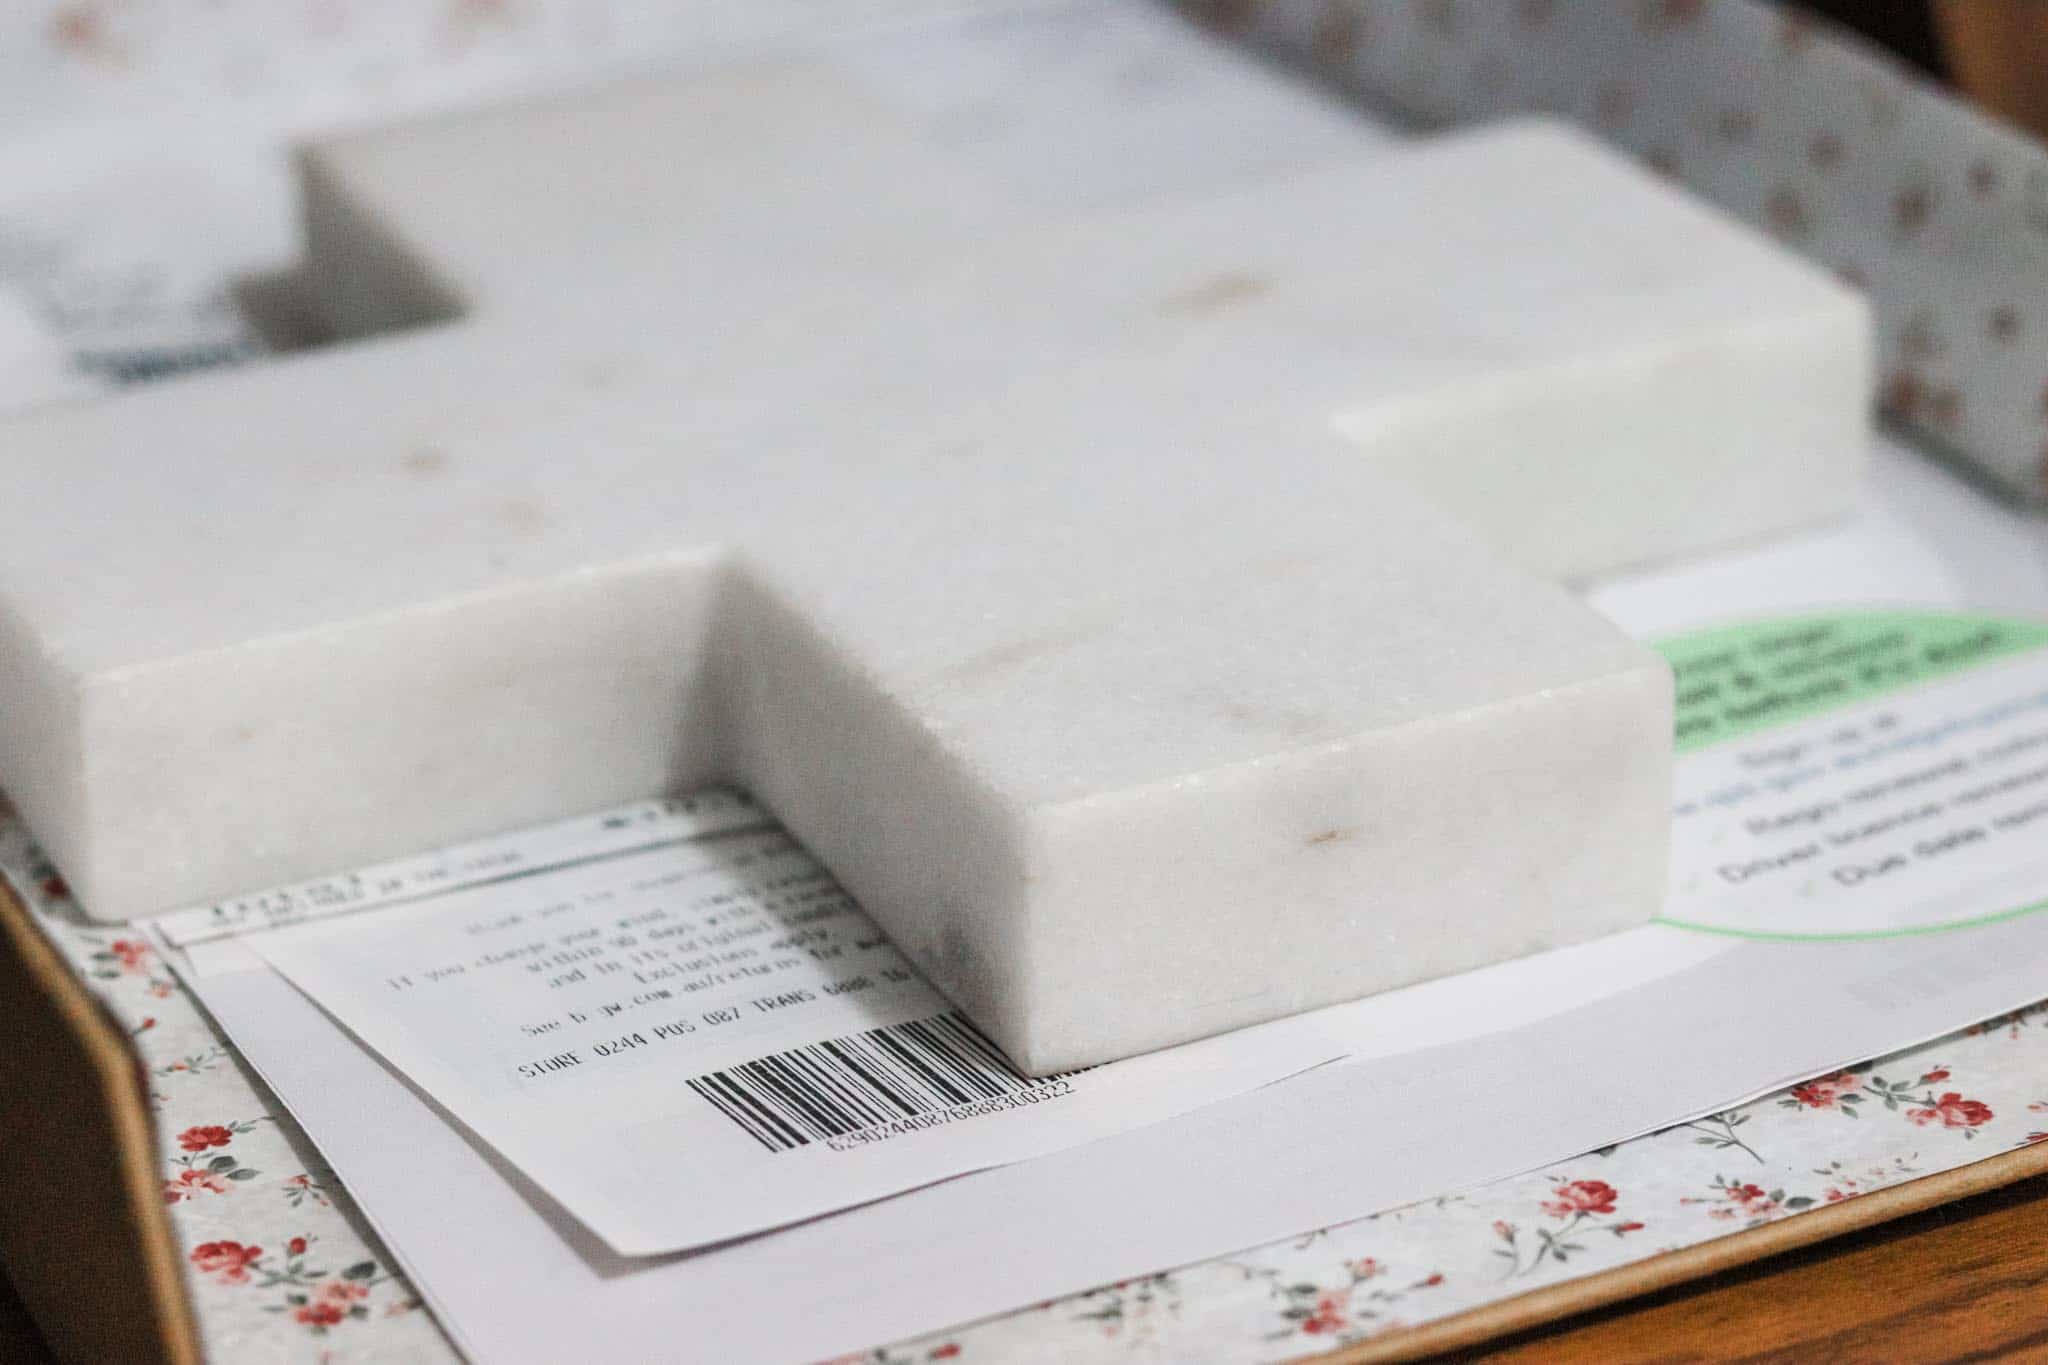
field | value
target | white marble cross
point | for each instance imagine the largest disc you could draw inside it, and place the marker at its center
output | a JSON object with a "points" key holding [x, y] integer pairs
{"points": [[1049, 581]]}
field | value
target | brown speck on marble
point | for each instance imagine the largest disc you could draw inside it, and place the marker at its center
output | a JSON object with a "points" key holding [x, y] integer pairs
{"points": [[1280, 566], [1215, 294], [80, 30], [423, 462], [1276, 721], [522, 516], [1329, 836], [999, 659]]}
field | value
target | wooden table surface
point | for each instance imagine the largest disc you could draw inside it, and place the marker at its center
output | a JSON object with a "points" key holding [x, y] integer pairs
{"points": [[1959, 1282], [1962, 1282]]}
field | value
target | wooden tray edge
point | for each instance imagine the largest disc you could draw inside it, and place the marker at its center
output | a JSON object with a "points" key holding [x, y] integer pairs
{"points": [[1553, 1303], [86, 1241]]}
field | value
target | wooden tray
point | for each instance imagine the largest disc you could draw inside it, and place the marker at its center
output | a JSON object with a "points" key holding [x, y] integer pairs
{"points": [[83, 1233]]}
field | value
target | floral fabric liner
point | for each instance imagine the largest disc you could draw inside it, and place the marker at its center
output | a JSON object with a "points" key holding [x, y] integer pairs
{"points": [[281, 1266]]}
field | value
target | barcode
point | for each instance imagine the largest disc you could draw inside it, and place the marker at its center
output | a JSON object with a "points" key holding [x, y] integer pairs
{"points": [[790, 1099]]}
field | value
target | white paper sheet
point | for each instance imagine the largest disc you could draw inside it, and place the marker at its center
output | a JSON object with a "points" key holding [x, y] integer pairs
{"points": [[692, 1042], [866, 1273], [603, 834]]}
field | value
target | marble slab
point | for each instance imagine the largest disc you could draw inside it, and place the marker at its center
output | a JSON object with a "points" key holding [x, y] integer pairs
{"points": [[1034, 576]]}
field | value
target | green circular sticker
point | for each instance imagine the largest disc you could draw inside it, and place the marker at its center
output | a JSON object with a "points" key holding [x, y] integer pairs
{"points": [[1859, 774]]}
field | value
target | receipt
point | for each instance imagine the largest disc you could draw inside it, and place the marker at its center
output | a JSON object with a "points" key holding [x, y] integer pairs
{"points": [[703, 1039], [642, 824]]}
